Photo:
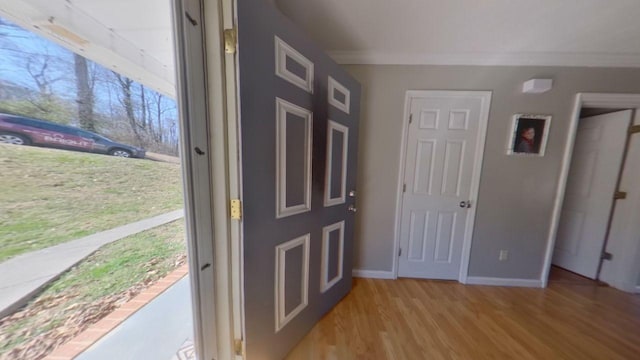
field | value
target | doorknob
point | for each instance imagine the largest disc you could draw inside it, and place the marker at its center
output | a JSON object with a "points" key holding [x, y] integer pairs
{"points": [[352, 208], [465, 204]]}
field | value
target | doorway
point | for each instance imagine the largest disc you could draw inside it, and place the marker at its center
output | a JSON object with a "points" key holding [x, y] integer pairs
{"points": [[600, 146], [443, 148], [574, 220]]}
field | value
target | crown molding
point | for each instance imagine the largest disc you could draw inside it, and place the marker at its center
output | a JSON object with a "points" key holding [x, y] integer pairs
{"points": [[488, 59]]}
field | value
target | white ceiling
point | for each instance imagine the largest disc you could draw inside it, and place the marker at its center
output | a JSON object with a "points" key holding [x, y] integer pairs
{"points": [[493, 32], [134, 37]]}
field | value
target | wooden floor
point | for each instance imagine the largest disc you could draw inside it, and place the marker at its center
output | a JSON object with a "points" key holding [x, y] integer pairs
{"points": [[422, 319]]}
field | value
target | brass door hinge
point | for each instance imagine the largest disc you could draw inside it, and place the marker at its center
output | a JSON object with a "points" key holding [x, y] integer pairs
{"points": [[634, 129], [235, 209], [237, 347], [230, 40], [619, 195]]}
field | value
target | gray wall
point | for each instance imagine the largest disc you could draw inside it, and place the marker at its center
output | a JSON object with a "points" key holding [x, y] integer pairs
{"points": [[516, 194]]}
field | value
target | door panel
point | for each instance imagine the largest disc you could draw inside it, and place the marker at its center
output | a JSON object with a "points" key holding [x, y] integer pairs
{"points": [[299, 131], [595, 166], [440, 159]]}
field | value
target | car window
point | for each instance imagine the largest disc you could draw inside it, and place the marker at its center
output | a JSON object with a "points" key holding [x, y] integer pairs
{"points": [[51, 127], [24, 121], [85, 134]]}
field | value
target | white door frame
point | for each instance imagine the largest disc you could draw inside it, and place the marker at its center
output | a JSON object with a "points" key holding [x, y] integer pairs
{"points": [[207, 121], [485, 97], [600, 100]]}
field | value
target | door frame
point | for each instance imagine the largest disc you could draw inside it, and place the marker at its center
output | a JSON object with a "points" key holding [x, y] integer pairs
{"points": [[600, 100], [206, 94], [485, 97]]}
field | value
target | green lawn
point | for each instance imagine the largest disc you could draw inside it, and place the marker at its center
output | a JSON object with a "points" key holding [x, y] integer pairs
{"points": [[91, 290], [52, 196]]}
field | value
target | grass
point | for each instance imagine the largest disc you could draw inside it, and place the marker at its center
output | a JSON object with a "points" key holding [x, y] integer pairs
{"points": [[52, 196], [92, 289]]}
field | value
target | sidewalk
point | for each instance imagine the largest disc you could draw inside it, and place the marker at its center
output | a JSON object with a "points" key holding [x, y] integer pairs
{"points": [[24, 275], [156, 331]]}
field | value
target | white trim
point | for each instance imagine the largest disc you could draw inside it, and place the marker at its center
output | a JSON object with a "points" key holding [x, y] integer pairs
{"points": [[282, 109], [328, 200], [373, 274], [488, 59], [325, 283], [485, 97], [333, 86], [491, 281], [601, 100], [282, 318], [284, 50], [235, 255], [207, 235]]}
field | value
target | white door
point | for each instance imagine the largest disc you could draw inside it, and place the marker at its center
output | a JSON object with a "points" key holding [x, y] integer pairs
{"points": [[595, 167], [445, 142]]}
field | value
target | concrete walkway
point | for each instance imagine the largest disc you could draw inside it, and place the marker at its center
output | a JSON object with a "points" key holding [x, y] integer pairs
{"points": [[157, 331], [24, 275]]}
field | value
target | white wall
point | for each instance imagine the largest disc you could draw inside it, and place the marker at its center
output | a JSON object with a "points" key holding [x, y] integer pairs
{"points": [[516, 194]]}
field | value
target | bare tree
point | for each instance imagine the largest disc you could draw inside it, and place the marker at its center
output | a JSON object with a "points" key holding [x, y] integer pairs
{"points": [[126, 99], [143, 107], [85, 96]]}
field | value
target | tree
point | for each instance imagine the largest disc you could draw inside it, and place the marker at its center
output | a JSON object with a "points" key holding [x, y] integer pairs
{"points": [[126, 99], [85, 96]]}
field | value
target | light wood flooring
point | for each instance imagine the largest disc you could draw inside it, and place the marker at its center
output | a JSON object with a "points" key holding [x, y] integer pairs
{"points": [[573, 318]]}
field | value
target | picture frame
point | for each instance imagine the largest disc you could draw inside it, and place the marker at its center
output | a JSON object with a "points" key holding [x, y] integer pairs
{"points": [[528, 135]]}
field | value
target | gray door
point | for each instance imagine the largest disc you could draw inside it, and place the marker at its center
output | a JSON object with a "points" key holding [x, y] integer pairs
{"points": [[299, 133]]}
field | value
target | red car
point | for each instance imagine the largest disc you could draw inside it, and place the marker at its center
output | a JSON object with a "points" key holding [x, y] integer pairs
{"points": [[20, 130]]}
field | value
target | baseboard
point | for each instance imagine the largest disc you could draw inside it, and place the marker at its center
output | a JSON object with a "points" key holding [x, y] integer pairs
{"points": [[492, 281], [373, 274]]}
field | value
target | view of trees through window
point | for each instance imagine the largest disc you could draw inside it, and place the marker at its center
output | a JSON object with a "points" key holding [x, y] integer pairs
{"points": [[42, 80]]}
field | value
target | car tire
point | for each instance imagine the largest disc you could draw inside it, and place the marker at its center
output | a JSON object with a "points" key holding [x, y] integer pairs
{"points": [[15, 139], [120, 153]]}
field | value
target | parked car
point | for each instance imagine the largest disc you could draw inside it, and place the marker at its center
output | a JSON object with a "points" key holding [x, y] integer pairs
{"points": [[21, 130]]}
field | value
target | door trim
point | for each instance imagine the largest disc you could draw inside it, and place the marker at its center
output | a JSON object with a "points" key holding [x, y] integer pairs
{"points": [[601, 100], [485, 97], [201, 97]]}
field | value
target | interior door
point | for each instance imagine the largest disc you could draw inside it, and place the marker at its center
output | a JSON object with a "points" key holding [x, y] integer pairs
{"points": [[592, 181], [299, 134], [437, 193]]}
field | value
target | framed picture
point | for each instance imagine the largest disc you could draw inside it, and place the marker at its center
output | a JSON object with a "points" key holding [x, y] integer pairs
{"points": [[529, 134]]}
